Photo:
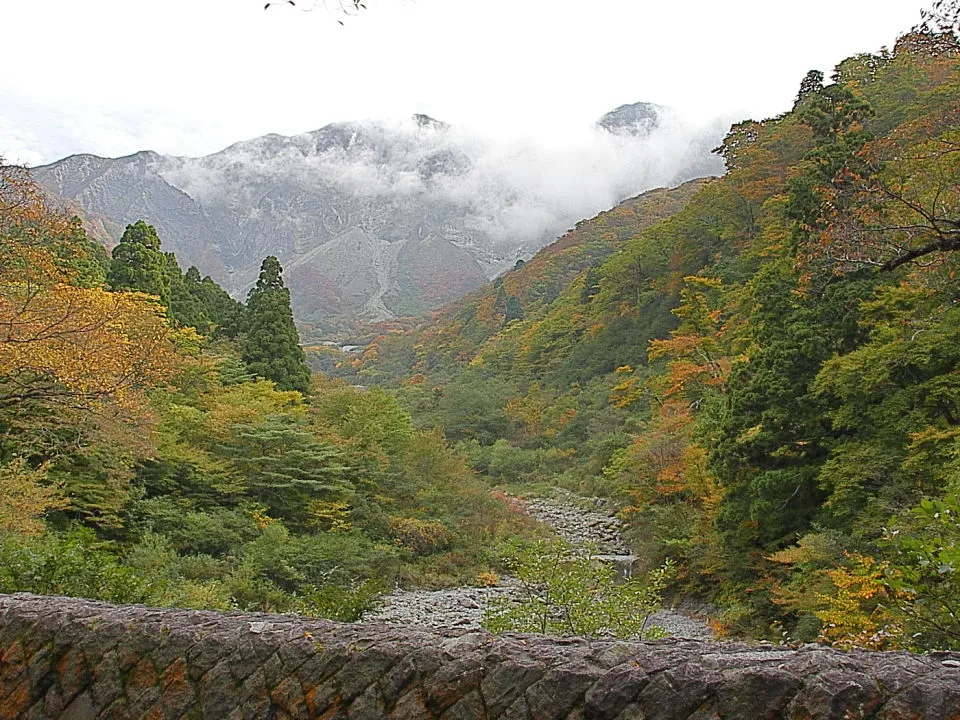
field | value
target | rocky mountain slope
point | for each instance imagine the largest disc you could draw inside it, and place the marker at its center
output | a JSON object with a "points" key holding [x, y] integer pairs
{"points": [[375, 220]]}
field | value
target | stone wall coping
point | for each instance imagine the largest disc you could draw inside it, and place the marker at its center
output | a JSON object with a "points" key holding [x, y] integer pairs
{"points": [[75, 659]]}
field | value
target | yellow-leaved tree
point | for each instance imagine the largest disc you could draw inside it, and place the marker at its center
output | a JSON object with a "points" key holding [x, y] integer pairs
{"points": [[76, 360], [60, 341]]}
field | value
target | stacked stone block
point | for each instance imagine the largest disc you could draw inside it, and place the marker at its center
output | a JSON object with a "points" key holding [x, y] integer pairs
{"points": [[73, 659]]}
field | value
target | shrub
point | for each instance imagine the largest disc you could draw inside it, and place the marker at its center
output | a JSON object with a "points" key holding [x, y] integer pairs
{"points": [[563, 592]]}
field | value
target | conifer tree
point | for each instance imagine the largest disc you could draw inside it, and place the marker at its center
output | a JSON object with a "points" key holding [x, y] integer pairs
{"points": [[272, 347], [186, 306], [139, 264]]}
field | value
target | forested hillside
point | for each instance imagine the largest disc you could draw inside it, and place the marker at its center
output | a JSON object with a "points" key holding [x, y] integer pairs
{"points": [[162, 443], [762, 368]]}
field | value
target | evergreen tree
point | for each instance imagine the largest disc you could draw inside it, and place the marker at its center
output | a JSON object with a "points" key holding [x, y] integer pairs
{"points": [[139, 264], [811, 83], [224, 313], [186, 305], [513, 310], [271, 348]]}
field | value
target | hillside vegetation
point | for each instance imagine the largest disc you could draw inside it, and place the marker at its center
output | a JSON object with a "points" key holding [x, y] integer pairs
{"points": [[762, 368], [162, 443]]}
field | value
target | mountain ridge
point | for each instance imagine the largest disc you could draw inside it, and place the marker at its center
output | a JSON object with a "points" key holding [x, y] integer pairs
{"points": [[371, 220]]}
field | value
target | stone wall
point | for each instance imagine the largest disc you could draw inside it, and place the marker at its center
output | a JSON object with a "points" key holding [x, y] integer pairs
{"points": [[76, 660]]}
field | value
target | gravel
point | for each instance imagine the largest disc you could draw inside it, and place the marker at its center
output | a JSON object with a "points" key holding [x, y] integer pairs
{"points": [[461, 607], [577, 520], [573, 520]]}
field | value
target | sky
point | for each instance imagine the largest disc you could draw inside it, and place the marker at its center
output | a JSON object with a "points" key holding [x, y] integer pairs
{"points": [[189, 77]]}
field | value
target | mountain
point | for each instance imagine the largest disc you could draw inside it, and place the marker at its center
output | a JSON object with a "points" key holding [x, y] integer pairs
{"points": [[374, 219], [636, 119], [461, 330]]}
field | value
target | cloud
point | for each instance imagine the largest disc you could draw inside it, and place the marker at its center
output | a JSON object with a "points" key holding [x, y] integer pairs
{"points": [[19, 146], [523, 188], [517, 192]]}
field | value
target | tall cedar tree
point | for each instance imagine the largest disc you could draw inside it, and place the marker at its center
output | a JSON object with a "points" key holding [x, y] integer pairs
{"points": [[272, 348], [139, 264]]}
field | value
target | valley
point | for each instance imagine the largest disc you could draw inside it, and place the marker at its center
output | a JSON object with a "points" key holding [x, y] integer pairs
{"points": [[590, 531], [567, 407]]}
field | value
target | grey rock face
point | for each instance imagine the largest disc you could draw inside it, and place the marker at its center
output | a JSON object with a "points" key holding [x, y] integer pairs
{"points": [[369, 220], [637, 118], [63, 658]]}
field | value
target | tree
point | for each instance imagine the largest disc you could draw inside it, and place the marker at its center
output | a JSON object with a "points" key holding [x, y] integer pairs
{"points": [[926, 561], [139, 265], [226, 314], [79, 346], [906, 211], [272, 348], [25, 496], [811, 83], [62, 338], [938, 30], [76, 361], [285, 466], [342, 7], [186, 302]]}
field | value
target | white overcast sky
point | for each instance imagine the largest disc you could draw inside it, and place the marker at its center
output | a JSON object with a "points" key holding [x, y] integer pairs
{"points": [[189, 77]]}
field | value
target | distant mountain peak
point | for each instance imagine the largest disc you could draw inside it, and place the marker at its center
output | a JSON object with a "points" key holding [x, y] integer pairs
{"points": [[639, 118], [425, 121]]}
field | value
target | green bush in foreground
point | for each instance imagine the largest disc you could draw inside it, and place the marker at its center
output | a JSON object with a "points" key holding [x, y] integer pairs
{"points": [[563, 592]]}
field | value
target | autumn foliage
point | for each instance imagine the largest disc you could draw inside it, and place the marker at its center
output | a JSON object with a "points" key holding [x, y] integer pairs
{"points": [[156, 444], [763, 374], [61, 342]]}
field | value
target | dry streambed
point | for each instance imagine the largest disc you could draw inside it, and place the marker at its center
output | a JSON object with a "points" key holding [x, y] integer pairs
{"points": [[574, 520]]}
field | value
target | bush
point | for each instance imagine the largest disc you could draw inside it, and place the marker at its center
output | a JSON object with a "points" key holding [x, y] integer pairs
{"points": [[925, 572], [566, 593], [338, 602], [74, 564]]}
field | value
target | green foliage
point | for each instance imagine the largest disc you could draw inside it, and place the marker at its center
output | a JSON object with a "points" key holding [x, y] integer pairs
{"points": [[271, 348], [139, 264], [202, 486], [226, 315], [284, 466], [473, 406], [565, 592], [370, 417], [925, 572], [764, 374], [513, 310], [86, 259], [344, 603], [762, 368], [74, 563]]}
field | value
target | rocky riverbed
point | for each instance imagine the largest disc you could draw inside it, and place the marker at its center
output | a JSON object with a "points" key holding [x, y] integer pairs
{"points": [[575, 520], [581, 525]]}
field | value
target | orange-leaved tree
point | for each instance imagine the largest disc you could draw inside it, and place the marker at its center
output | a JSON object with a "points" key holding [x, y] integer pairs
{"points": [[62, 340]]}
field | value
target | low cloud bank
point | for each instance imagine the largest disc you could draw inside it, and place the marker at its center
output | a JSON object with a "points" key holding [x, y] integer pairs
{"points": [[520, 192]]}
